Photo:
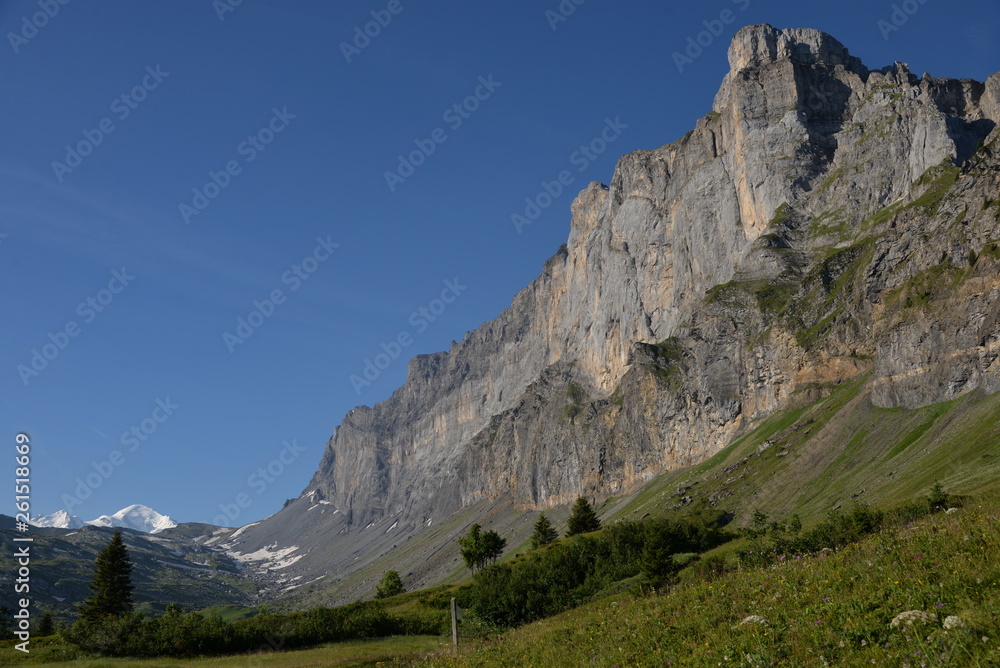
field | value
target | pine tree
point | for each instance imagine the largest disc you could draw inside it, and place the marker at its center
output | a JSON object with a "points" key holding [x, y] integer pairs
{"points": [[583, 519], [111, 588], [544, 533], [46, 626]]}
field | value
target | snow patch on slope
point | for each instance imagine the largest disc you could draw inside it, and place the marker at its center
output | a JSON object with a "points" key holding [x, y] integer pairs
{"points": [[269, 557]]}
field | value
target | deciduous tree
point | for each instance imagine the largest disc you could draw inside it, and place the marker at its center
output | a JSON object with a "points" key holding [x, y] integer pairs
{"points": [[479, 549]]}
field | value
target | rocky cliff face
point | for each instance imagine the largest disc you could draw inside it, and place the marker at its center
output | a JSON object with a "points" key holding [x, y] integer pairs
{"points": [[823, 221]]}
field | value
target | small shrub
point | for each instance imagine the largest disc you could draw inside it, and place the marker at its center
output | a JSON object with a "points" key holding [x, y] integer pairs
{"points": [[390, 585]]}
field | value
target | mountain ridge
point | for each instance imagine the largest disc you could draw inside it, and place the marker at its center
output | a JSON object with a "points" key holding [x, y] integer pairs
{"points": [[766, 255], [136, 517]]}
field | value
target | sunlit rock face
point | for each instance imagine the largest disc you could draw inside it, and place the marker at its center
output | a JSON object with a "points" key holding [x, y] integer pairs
{"points": [[774, 250]]}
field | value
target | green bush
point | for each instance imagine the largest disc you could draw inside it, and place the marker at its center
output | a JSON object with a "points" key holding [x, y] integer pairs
{"points": [[571, 572], [390, 585], [194, 634], [768, 541]]}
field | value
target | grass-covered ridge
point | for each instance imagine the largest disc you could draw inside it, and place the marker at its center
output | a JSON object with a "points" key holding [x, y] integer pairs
{"points": [[829, 608], [831, 452]]}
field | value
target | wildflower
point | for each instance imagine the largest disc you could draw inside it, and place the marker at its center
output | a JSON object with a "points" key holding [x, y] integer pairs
{"points": [[910, 617]]}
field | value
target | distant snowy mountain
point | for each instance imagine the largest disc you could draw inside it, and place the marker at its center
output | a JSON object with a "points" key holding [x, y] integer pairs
{"points": [[138, 517], [58, 520]]}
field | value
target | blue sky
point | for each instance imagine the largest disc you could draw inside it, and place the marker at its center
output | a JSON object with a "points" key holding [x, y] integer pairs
{"points": [[222, 167]]}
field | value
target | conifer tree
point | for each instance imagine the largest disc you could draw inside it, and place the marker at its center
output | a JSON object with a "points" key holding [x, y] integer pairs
{"points": [[111, 588], [46, 626], [544, 533], [583, 519]]}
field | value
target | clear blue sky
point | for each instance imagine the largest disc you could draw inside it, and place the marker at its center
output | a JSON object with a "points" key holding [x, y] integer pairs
{"points": [[157, 333]]}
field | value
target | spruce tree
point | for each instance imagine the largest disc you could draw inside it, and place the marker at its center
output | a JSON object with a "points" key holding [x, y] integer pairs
{"points": [[111, 588], [583, 519], [46, 625], [544, 533]]}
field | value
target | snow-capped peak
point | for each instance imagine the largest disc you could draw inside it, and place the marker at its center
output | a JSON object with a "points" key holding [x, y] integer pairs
{"points": [[137, 516], [59, 520]]}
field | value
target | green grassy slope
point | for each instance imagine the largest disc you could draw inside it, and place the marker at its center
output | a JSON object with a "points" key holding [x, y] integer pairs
{"points": [[827, 609], [398, 651], [838, 449]]}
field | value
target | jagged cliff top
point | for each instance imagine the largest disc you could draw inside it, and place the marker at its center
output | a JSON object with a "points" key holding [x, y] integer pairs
{"points": [[759, 44]]}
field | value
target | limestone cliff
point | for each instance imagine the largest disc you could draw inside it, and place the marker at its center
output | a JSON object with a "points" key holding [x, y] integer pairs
{"points": [[823, 221]]}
